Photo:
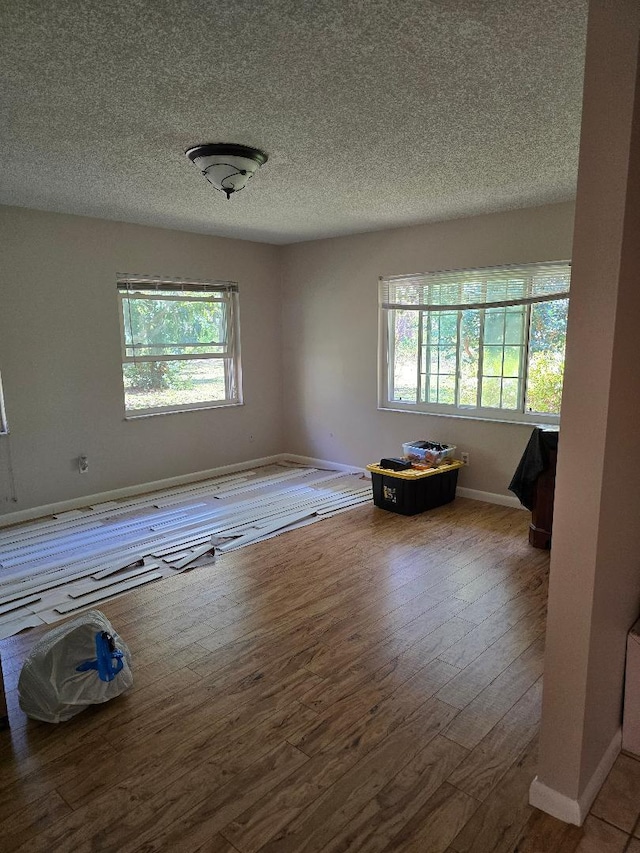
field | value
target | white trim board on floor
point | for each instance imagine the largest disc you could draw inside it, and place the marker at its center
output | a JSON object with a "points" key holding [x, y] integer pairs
{"points": [[132, 573], [293, 494], [143, 488], [564, 808], [138, 489], [109, 592], [17, 603], [139, 533], [8, 629], [92, 516]]}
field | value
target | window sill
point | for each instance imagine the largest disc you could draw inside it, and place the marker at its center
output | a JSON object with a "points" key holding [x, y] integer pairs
{"points": [[527, 422], [130, 416]]}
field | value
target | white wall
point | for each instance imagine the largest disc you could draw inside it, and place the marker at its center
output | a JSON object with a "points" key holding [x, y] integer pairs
{"points": [[330, 346], [60, 356], [594, 590]]}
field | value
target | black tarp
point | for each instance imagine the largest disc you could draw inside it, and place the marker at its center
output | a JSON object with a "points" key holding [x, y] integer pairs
{"points": [[535, 460]]}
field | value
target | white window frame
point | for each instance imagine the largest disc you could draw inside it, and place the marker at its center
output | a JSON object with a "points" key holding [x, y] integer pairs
{"points": [[129, 287], [386, 328]]}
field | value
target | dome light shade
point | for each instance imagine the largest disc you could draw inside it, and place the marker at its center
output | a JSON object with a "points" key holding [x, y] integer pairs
{"points": [[226, 166]]}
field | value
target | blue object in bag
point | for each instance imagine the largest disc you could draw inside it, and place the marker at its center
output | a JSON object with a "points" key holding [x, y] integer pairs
{"points": [[108, 658], [79, 663]]}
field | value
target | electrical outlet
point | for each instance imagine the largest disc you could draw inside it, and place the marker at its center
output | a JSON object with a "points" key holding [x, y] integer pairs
{"points": [[465, 458], [83, 464]]}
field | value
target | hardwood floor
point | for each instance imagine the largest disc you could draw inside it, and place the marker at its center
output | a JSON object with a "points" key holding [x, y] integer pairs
{"points": [[368, 683]]}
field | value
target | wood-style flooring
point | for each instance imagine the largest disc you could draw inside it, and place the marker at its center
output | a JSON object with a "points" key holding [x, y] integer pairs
{"points": [[368, 683]]}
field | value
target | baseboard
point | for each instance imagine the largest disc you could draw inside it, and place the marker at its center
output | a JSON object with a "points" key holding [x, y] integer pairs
{"points": [[139, 489], [575, 811], [489, 497], [472, 494], [321, 463]]}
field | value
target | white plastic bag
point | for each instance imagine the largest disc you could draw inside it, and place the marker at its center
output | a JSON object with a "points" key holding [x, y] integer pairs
{"points": [[83, 662]]}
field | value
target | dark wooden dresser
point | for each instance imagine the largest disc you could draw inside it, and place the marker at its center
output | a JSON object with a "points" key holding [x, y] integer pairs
{"points": [[534, 483]]}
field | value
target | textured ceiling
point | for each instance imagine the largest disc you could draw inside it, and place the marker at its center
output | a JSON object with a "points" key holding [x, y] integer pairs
{"points": [[374, 113]]}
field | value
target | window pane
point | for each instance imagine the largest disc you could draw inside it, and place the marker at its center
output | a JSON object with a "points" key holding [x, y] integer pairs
{"points": [[441, 357], [494, 326], [405, 351], [492, 361], [514, 326], [511, 366], [510, 393], [447, 390], [503, 357], [447, 360], [448, 327], [469, 357], [153, 384], [155, 324], [491, 392], [546, 356]]}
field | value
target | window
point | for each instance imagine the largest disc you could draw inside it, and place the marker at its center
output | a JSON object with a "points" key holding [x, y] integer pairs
{"points": [[180, 345], [485, 343]]}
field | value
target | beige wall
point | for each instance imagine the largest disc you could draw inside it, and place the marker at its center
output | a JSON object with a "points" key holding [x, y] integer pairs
{"points": [[60, 349], [594, 595], [60, 356], [330, 348]]}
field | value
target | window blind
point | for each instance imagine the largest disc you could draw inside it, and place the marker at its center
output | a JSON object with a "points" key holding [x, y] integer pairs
{"points": [[174, 319], [458, 290], [131, 283]]}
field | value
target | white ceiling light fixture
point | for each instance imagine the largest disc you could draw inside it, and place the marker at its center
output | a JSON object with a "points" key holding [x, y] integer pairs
{"points": [[227, 167]]}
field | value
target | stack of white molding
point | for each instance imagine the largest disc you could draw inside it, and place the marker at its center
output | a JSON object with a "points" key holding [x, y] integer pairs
{"points": [[77, 559]]}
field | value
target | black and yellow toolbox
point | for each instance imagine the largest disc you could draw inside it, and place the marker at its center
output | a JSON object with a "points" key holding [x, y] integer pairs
{"points": [[414, 490]]}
